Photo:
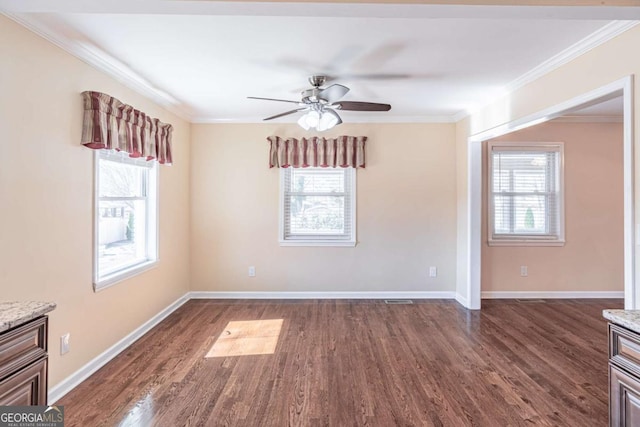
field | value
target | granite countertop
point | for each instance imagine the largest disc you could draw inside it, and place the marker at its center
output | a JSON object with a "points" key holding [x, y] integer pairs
{"points": [[14, 313], [630, 319]]}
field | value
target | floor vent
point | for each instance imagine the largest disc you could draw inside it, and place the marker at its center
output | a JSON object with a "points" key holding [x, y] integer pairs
{"points": [[531, 301], [398, 301]]}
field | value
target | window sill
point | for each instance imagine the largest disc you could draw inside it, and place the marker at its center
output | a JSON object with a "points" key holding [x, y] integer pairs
{"points": [[337, 243], [122, 275], [526, 242]]}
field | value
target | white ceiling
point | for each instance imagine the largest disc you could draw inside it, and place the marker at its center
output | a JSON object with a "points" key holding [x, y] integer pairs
{"points": [[202, 59]]}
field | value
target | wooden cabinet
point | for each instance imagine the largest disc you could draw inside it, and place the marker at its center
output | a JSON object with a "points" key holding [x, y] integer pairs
{"points": [[26, 387], [624, 398], [23, 364]]}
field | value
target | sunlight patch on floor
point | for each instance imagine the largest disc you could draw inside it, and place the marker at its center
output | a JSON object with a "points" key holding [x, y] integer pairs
{"points": [[247, 337]]}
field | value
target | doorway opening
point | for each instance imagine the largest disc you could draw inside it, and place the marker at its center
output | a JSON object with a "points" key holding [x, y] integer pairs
{"points": [[621, 88]]}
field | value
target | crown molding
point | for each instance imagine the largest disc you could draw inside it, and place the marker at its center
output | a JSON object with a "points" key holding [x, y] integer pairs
{"points": [[592, 41], [102, 62], [595, 39], [366, 118], [462, 115], [112, 67]]}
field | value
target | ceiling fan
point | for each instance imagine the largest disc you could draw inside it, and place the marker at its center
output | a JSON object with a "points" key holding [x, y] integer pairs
{"points": [[320, 105]]}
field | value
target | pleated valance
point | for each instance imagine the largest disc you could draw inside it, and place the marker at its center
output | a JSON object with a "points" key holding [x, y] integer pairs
{"points": [[343, 151], [110, 124]]}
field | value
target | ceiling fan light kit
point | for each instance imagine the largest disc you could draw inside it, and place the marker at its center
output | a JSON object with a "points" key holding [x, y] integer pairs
{"points": [[328, 120], [309, 120], [319, 118], [320, 105]]}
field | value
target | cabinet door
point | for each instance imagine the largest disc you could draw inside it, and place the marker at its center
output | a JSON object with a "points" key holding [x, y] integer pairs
{"points": [[26, 387], [22, 346], [624, 399]]}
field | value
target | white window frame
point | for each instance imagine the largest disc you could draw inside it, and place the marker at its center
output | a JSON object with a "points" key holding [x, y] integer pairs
{"points": [[526, 239], [350, 174], [151, 220]]}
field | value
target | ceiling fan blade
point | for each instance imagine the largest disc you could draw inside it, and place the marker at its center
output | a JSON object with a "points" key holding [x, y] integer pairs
{"points": [[375, 76], [273, 99], [362, 106], [332, 93], [285, 113]]}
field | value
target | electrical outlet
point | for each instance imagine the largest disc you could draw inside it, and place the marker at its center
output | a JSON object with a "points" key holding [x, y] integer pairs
{"points": [[433, 271], [252, 271], [524, 272], [64, 343]]}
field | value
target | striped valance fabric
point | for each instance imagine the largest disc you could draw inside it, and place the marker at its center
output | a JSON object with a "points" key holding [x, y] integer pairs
{"points": [[110, 124], [343, 151]]}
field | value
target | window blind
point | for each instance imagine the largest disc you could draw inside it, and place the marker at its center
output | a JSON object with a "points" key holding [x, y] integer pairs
{"points": [[317, 204], [526, 192]]}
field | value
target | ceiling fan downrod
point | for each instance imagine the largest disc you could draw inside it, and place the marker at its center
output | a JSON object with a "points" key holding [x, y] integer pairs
{"points": [[312, 96], [317, 81]]}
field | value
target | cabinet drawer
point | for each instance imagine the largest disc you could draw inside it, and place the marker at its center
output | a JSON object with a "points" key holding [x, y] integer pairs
{"points": [[22, 346], [26, 387], [624, 399]]}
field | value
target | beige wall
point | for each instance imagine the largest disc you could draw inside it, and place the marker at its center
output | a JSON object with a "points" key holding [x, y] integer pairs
{"points": [[412, 198], [603, 65], [46, 188], [592, 258], [405, 213]]}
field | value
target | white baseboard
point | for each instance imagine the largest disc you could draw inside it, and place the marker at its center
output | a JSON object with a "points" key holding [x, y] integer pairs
{"points": [[552, 294], [322, 295], [462, 300], [66, 385]]}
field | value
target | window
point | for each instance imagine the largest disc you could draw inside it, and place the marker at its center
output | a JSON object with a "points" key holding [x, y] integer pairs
{"points": [[125, 235], [317, 207], [526, 194]]}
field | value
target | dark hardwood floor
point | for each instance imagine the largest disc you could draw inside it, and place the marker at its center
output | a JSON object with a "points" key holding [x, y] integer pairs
{"points": [[362, 363]]}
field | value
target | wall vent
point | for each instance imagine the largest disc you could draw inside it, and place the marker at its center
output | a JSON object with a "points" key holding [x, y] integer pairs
{"points": [[531, 301], [398, 301]]}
